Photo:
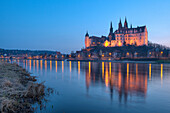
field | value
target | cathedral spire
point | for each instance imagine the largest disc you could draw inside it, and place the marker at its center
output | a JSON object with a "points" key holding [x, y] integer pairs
{"points": [[120, 24], [125, 23], [111, 28]]}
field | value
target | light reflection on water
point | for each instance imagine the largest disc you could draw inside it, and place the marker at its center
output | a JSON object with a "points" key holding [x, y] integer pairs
{"points": [[95, 83]]}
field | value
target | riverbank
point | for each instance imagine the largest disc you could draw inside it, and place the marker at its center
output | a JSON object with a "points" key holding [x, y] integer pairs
{"points": [[18, 90]]}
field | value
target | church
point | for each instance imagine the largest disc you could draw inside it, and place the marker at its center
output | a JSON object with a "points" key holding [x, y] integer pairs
{"points": [[124, 35]]}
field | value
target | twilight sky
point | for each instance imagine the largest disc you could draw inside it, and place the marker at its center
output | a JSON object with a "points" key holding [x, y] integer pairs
{"points": [[61, 24]]}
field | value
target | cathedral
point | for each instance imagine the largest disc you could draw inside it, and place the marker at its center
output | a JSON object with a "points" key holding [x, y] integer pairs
{"points": [[124, 35]]}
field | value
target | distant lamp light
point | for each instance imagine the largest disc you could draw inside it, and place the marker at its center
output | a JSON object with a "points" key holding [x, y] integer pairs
{"points": [[149, 52], [110, 54], [79, 56], [89, 55], [102, 55], [161, 52], [127, 53]]}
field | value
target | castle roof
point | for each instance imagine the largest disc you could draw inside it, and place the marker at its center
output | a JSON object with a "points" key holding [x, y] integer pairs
{"points": [[131, 30], [87, 34]]}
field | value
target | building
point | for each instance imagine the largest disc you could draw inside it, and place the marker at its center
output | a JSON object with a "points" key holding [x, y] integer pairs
{"points": [[124, 35]]}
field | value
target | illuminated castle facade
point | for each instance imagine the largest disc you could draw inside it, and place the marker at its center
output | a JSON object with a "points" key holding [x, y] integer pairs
{"points": [[122, 36]]}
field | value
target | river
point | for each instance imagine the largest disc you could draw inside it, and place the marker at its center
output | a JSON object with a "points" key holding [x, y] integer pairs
{"points": [[103, 87]]}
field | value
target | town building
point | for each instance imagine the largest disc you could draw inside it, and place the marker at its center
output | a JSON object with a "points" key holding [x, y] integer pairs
{"points": [[124, 35]]}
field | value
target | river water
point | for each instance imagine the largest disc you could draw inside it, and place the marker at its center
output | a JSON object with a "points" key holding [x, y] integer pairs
{"points": [[103, 87]]}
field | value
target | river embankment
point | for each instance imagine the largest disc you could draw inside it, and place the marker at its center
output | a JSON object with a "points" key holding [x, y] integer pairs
{"points": [[18, 89]]}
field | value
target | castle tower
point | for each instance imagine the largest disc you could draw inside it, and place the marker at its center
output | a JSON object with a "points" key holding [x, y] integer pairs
{"points": [[120, 24], [111, 28], [125, 23], [87, 40]]}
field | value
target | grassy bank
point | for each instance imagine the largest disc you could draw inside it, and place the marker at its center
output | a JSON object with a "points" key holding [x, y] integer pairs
{"points": [[18, 90]]}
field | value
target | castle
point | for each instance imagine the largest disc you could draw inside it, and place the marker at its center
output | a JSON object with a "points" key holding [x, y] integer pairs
{"points": [[122, 36]]}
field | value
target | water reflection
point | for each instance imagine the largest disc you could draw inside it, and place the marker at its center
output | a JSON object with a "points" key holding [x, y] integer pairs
{"points": [[41, 65], [34, 64], [37, 65], [50, 65], [161, 71], [56, 66], [123, 80], [45, 65], [126, 79], [150, 72], [62, 66], [30, 64]]}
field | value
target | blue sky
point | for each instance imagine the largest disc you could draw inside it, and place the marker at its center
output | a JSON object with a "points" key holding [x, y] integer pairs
{"points": [[61, 24]]}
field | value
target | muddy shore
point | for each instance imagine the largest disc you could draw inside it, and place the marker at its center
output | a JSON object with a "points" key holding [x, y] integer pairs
{"points": [[18, 90]]}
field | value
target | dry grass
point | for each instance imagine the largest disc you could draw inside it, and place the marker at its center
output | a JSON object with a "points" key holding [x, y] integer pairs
{"points": [[18, 89]]}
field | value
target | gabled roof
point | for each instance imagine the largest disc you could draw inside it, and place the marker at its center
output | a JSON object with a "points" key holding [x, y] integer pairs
{"points": [[137, 29]]}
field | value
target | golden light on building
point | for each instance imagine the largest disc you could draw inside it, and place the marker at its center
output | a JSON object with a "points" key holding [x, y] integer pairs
{"points": [[119, 44], [62, 56], [131, 42], [62, 66], [70, 56], [70, 65], [102, 55], [89, 55], [78, 55], [110, 54], [127, 53], [79, 67], [150, 53], [161, 52], [150, 71], [137, 36], [56, 66], [106, 43]]}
